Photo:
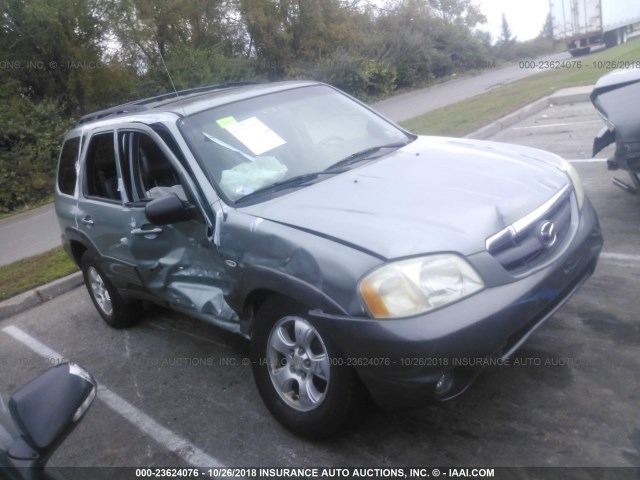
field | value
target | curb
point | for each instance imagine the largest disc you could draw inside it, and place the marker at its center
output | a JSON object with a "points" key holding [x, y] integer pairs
{"points": [[39, 295], [561, 97]]}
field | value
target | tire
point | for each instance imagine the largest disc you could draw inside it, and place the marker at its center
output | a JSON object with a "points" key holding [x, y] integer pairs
{"points": [[105, 297], [609, 40], [580, 51], [291, 355], [612, 38]]}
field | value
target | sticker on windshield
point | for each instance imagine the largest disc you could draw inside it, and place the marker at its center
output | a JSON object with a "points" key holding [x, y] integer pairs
{"points": [[255, 135], [226, 121]]}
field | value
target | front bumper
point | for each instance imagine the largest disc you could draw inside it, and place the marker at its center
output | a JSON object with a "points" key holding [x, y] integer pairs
{"points": [[400, 361]]}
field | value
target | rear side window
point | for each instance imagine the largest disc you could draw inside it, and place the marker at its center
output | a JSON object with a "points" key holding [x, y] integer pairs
{"points": [[102, 173], [67, 167]]}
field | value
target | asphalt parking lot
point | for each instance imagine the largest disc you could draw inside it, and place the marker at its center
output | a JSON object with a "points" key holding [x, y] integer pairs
{"points": [[176, 392]]}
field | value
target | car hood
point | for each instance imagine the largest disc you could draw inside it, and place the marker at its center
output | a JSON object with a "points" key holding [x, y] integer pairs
{"points": [[435, 194]]}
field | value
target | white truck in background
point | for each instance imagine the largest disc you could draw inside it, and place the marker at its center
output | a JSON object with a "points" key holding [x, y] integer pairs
{"points": [[582, 24]]}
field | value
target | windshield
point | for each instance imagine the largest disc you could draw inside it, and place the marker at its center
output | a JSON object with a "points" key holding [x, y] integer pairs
{"points": [[247, 146]]}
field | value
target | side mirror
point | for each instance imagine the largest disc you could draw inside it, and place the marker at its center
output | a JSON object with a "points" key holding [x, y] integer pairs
{"points": [[47, 409], [169, 209]]}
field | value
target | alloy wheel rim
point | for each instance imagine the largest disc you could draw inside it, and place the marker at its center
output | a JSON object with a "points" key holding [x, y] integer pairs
{"points": [[298, 363], [100, 292]]}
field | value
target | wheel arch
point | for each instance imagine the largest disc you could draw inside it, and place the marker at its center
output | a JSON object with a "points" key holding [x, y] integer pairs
{"points": [[76, 243], [77, 250], [258, 284]]}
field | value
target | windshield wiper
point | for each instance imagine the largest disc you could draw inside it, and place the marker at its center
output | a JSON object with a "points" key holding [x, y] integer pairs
{"points": [[297, 181], [217, 141], [363, 155]]}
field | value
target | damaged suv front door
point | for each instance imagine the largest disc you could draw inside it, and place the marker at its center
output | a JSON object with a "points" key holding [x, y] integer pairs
{"points": [[177, 261]]}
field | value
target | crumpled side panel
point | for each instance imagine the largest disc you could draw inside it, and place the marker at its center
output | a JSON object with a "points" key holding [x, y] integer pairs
{"points": [[191, 279]]}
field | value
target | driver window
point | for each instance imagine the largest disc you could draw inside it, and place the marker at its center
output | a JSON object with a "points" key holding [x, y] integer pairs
{"points": [[153, 175]]}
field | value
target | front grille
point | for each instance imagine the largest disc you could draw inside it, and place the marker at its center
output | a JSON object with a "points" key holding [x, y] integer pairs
{"points": [[534, 238]]}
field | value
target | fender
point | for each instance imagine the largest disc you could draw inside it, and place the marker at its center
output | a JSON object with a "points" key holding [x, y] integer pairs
{"points": [[254, 282]]}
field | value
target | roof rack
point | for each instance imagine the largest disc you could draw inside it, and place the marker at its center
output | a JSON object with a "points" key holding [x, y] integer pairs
{"points": [[142, 105]]}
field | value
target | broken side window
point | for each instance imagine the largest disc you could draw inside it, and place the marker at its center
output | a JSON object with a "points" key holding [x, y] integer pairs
{"points": [[152, 173], [101, 169]]}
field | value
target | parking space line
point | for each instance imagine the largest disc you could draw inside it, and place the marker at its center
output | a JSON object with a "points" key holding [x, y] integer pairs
{"points": [[34, 344], [162, 435], [620, 256], [172, 442]]}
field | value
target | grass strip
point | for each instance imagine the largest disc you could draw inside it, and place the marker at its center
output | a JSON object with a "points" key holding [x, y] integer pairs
{"points": [[32, 272]]}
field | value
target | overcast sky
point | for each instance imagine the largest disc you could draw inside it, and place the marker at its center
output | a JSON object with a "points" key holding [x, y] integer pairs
{"points": [[525, 17]]}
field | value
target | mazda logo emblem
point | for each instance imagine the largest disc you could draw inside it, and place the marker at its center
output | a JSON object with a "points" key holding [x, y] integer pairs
{"points": [[548, 234]]}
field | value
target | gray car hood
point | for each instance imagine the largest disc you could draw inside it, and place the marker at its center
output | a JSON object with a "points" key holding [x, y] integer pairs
{"points": [[435, 194]]}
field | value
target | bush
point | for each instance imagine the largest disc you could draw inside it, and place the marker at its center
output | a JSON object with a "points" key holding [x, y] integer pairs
{"points": [[30, 138], [342, 70], [521, 50], [381, 78], [356, 75]]}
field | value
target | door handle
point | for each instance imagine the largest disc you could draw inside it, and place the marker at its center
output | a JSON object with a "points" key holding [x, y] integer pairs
{"points": [[87, 220], [151, 231]]}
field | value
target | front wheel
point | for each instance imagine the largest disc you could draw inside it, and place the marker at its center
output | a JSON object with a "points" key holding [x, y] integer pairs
{"points": [[295, 374], [110, 305]]}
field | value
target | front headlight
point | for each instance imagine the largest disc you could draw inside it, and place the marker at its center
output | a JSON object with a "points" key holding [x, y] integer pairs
{"points": [[417, 285], [575, 179]]}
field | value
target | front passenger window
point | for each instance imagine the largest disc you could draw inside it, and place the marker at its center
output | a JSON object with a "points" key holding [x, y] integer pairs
{"points": [[153, 172]]}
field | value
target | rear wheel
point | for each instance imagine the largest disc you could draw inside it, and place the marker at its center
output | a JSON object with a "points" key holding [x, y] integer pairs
{"points": [[294, 372], [110, 305], [613, 38]]}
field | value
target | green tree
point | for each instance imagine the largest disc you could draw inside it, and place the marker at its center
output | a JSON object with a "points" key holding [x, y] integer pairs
{"points": [[56, 48], [422, 40], [287, 37], [268, 31], [547, 28], [506, 37], [196, 41], [461, 12], [402, 39]]}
